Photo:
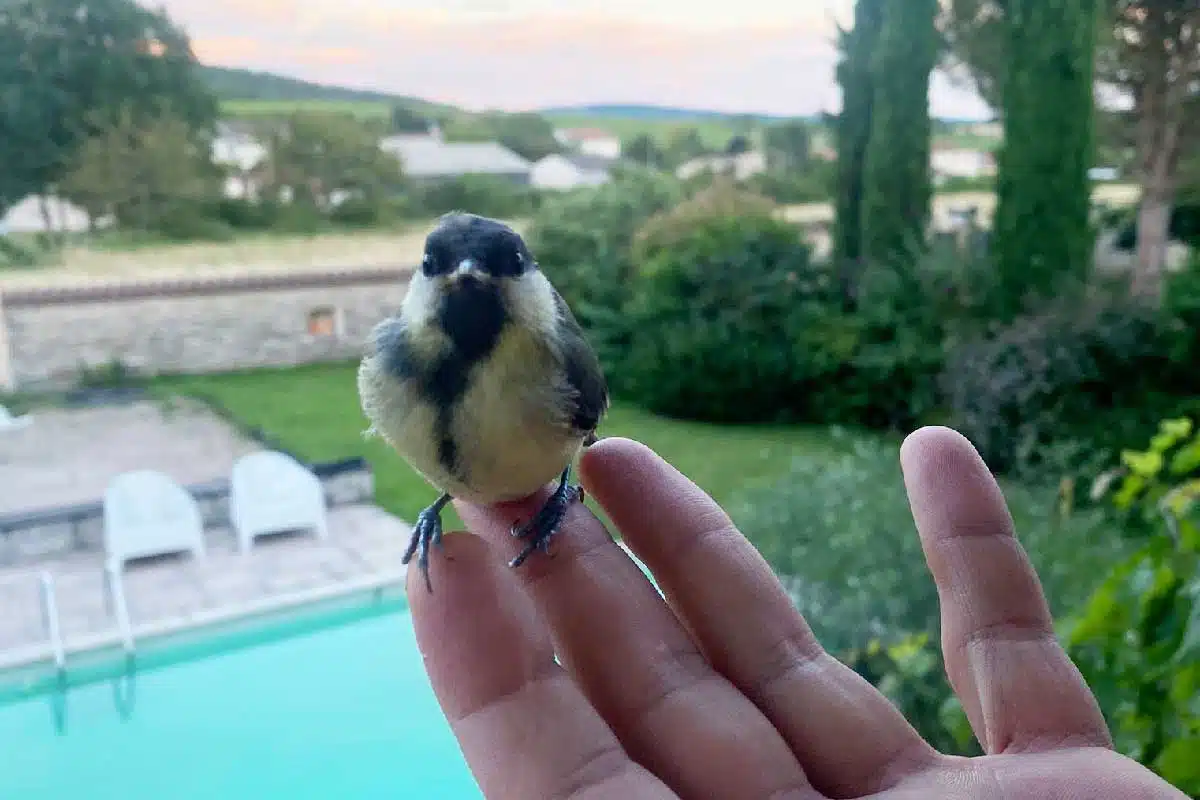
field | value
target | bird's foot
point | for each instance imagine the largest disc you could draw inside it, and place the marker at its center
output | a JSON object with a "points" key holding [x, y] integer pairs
{"points": [[426, 533], [545, 523]]}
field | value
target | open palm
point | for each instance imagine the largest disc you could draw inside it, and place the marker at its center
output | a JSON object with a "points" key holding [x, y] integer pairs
{"points": [[722, 691]]}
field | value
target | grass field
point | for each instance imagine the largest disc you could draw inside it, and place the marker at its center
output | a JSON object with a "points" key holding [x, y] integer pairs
{"points": [[114, 257], [314, 411], [260, 108], [838, 498], [715, 133]]}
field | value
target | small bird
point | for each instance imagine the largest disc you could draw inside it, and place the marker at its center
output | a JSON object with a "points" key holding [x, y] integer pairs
{"points": [[483, 381]]}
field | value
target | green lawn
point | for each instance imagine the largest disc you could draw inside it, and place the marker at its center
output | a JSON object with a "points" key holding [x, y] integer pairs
{"points": [[314, 411], [260, 108], [715, 133], [825, 506]]}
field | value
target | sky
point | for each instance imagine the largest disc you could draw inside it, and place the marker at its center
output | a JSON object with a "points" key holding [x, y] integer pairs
{"points": [[769, 56]]}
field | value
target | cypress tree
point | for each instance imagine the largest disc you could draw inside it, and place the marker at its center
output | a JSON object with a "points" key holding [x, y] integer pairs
{"points": [[1042, 235], [896, 183], [853, 128]]}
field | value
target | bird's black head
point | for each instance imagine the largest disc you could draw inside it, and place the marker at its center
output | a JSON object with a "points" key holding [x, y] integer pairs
{"points": [[468, 244]]}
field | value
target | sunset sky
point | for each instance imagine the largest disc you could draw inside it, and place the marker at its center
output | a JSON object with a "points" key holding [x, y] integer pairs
{"points": [[774, 56]]}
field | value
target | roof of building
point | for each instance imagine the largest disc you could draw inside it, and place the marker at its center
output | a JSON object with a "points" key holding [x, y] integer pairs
{"points": [[585, 161], [432, 158]]}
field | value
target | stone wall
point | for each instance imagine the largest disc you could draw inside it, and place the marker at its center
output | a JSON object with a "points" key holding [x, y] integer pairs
{"points": [[50, 335]]}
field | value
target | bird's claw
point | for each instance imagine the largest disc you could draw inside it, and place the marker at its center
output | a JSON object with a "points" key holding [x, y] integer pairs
{"points": [[427, 532], [545, 523]]}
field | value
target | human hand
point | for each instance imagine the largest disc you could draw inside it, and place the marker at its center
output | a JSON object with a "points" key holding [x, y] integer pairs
{"points": [[722, 691]]}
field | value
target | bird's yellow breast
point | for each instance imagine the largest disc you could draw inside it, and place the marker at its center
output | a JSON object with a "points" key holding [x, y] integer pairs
{"points": [[510, 428]]}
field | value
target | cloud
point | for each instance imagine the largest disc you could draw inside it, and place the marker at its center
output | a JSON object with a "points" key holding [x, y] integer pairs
{"points": [[756, 55]]}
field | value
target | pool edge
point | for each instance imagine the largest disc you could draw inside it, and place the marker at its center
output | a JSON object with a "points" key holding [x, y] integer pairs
{"points": [[42, 654]]}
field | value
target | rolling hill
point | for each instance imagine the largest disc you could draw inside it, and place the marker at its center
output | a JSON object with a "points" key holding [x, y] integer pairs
{"points": [[652, 112], [247, 87]]}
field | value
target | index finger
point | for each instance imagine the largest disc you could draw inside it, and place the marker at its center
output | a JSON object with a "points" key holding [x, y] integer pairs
{"points": [[1016, 683], [526, 730]]}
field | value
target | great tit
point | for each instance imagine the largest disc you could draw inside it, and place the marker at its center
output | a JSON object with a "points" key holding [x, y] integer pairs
{"points": [[483, 381]]}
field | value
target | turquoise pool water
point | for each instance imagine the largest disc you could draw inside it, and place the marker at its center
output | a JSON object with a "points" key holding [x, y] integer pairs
{"points": [[327, 708]]}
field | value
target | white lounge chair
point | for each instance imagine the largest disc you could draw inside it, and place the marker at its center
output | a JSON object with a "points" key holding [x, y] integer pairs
{"points": [[273, 493], [10, 423], [146, 514]]}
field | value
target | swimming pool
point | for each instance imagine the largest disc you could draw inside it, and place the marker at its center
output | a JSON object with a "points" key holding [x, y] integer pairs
{"points": [[325, 703]]}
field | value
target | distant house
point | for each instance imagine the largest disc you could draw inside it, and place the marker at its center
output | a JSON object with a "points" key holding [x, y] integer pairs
{"points": [[590, 141], [242, 154], [560, 171], [35, 214], [426, 158], [740, 166], [960, 162]]}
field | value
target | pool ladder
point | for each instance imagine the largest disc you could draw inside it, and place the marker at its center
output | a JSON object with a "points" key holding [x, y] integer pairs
{"points": [[115, 595], [50, 617]]}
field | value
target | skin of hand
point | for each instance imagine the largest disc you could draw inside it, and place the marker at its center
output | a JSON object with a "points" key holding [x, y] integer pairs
{"points": [[721, 691]]}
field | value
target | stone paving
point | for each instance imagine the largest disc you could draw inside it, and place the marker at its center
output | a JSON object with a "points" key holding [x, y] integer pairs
{"points": [[68, 456], [363, 541]]}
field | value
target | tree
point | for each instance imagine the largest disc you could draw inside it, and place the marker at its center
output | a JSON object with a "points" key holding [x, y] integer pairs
{"points": [[1147, 49], [1042, 227], [140, 171], [527, 134], [738, 143], [1156, 58], [404, 119], [319, 154], [852, 130], [787, 145], [643, 149], [896, 183], [73, 68], [684, 144]]}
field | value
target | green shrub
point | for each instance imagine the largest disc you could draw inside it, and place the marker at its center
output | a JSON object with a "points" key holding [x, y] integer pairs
{"points": [[480, 194], [912, 674], [1137, 641], [13, 254], [841, 535], [1062, 374], [720, 297], [189, 223], [357, 212], [243, 214], [583, 241], [814, 186]]}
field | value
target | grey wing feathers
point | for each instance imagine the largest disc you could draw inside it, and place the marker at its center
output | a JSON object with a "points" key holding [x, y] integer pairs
{"points": [[583, 371], [390, 346]]}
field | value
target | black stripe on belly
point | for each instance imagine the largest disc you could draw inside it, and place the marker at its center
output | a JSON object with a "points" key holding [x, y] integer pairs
{"points": [[473, 317]]}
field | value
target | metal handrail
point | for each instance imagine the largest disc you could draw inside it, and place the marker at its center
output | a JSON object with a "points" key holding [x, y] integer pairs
{"points": [[50, 616], [115, 597]]}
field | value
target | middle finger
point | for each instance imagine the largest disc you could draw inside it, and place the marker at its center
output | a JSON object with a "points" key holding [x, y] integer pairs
{"points": [[671, 710]]}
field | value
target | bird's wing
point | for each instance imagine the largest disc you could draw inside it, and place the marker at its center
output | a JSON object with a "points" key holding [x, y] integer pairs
{"points": [[584, 374], [390, 346]]}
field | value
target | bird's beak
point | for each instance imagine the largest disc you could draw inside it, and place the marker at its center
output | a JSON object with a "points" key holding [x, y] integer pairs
{"points": [[466, 270]]}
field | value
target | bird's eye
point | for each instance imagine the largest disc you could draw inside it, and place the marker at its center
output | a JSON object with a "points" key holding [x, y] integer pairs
{"points": [[431, 265]]}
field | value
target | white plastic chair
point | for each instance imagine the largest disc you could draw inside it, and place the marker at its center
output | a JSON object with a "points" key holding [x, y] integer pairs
{"points": [[146, 513], [273, 493], [10, 423]]}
